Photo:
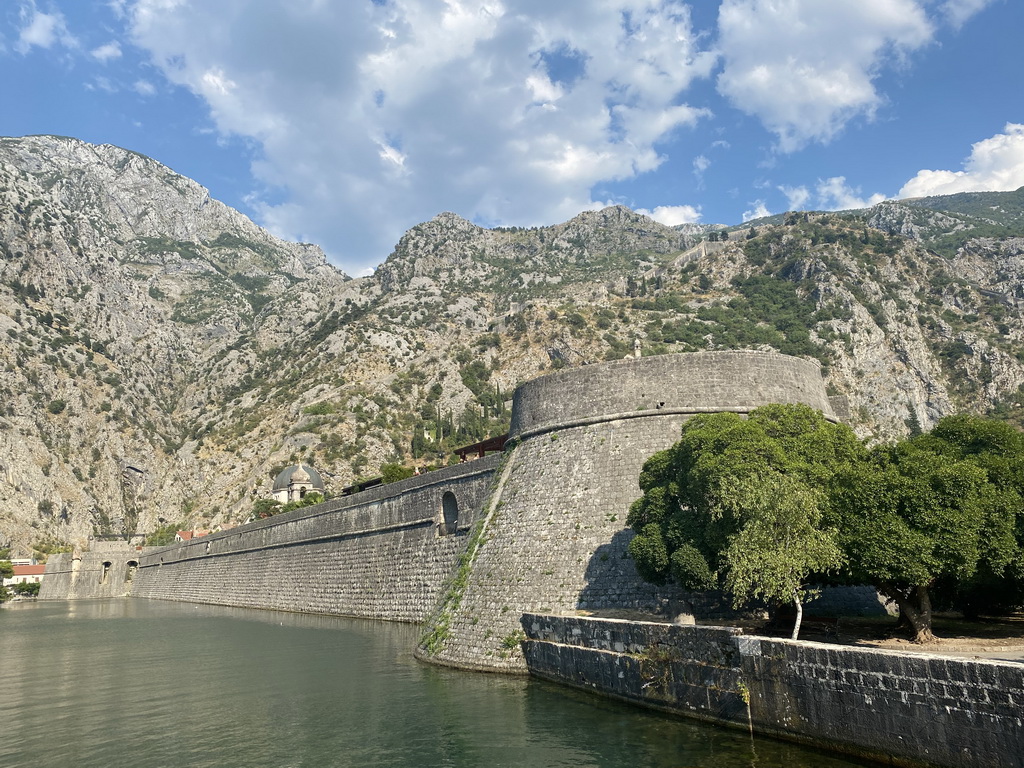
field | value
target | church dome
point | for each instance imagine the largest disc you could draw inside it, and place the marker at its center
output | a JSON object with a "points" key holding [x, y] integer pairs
{"points": [[298, 473]]}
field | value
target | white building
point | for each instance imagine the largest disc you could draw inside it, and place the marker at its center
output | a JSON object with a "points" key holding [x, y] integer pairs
{"points": [[26, 574], [294, 482]]}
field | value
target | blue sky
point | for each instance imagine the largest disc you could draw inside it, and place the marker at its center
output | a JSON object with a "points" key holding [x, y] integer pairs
{"points": [[346, 123]]}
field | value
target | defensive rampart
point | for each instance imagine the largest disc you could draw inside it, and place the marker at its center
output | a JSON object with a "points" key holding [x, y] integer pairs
{"points": [[554, 540], [479, 550], [383, 553], [899, 708], [108, 572]]}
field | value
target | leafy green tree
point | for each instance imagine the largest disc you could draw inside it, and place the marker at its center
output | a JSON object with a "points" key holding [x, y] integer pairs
{"points": [[162, 536], [28, 589], [997, 447], [6, 572], [738, 503], [779, 544], [938, 509], [392, 473], [759, 506], [266, 508]]}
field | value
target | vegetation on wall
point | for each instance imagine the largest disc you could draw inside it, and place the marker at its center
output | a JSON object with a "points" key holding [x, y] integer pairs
{"points": [[163, 535], [269, 507]]}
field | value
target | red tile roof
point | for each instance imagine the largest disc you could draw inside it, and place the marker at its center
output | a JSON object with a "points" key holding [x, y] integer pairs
{"points": [[29, 570]]}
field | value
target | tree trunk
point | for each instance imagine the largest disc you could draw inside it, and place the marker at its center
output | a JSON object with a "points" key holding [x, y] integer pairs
{"points": [[915, 610], [799, 613]]}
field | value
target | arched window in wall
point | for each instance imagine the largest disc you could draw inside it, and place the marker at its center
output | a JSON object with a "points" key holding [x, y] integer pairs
{"points": [[106, 571], [133, 566], [449, 513]]}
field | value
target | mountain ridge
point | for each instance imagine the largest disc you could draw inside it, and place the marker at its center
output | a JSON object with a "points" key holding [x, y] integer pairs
{"points": [[150, 326]]}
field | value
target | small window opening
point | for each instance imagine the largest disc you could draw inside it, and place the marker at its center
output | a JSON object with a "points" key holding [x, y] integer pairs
{"points": [[129, 573], [106, 571], [449, 514]]}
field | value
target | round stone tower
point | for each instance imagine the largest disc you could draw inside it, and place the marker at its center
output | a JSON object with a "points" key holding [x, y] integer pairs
{"points": [[553, 538]]}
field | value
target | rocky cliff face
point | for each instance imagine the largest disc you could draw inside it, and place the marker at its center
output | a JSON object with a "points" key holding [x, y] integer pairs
{"points": [[131, 303], [163, 355]]}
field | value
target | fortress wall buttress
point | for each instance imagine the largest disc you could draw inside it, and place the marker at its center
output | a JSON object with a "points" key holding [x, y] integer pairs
{"points": [[554, 537]]}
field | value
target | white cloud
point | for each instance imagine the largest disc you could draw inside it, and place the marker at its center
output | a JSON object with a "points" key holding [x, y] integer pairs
{"points": [[957, 12], [117, 7], [805, 68], [42, 30], [673, 215], [995, 165], [796, 197], [103, 84], [834, 194], [759, 211], [105, 53], [144, 88], [376, 116]]}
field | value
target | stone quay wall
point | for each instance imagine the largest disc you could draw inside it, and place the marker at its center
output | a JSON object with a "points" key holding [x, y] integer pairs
{"points": [[899, 708], [554, 540]]}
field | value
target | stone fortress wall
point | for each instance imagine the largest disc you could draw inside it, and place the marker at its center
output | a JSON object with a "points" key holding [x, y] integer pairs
{"points": [[540, 536], [554, 539], [106, 572], [381, 554]]}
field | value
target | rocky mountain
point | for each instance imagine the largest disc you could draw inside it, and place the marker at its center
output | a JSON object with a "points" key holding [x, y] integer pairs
{"points": [[163, 356]]}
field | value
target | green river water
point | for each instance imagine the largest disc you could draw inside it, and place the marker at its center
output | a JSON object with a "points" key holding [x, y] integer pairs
{"points": [[144, 684]]}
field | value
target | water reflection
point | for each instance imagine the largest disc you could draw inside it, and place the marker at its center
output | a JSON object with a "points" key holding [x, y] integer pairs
{"points": [[133, 682]]}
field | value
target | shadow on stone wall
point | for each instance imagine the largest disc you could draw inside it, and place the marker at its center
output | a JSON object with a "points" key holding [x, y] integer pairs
{"points": [[612, 581]]}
